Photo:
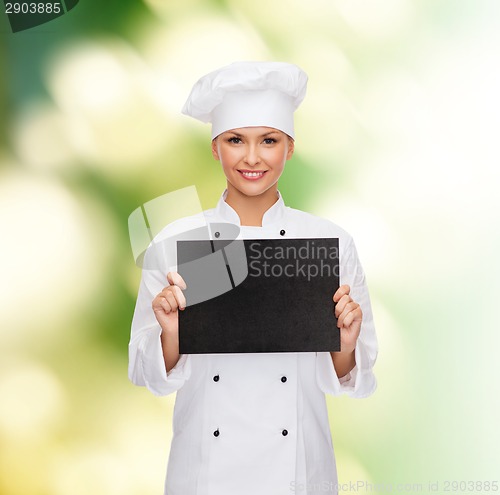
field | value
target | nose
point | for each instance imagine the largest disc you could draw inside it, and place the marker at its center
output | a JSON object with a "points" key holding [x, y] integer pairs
{"points": [[252, 156]]}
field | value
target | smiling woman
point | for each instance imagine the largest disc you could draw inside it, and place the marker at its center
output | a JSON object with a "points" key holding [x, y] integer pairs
{"points": [[253, 159], [253, 422]]}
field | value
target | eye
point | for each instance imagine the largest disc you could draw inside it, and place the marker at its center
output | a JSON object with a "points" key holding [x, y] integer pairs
{"points": [[234, 140], [269, 141]]}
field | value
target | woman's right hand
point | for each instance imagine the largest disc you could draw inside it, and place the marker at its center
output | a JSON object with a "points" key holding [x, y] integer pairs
{"points": [[168, 301]]}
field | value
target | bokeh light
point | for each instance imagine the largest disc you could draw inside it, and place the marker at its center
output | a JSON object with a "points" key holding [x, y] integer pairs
{"points": [[107, 95], [32, 400], [51, 255]]}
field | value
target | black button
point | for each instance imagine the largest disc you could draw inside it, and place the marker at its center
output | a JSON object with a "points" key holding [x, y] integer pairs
{"points": [[216, 378], [217, 234], [283, 379], [282, 232], [216, 432], [284, 433]]}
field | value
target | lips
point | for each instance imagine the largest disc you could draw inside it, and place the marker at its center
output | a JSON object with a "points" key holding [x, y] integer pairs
{"points": [[252, 174]]}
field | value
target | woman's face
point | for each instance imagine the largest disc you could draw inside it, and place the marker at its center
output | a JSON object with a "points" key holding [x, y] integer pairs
{"points": [[252, 158]]}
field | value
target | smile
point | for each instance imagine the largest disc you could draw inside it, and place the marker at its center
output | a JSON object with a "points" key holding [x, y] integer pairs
{"points": [[252, 175]]}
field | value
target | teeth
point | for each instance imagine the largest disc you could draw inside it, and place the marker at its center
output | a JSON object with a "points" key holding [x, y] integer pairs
{"points": [[252, 174]]}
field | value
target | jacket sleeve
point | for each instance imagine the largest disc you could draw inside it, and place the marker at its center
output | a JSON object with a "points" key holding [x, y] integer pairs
{"points": [[146, 364], [360, 382]]}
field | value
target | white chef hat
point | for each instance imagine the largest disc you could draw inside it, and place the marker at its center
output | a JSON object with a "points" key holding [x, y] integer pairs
{"points": [[248, 94]]}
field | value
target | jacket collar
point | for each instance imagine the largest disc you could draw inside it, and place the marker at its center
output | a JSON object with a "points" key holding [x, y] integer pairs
{"points": [[274, 214]]}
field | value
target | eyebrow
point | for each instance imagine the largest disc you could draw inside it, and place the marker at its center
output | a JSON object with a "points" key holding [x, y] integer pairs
{"points": [[237, 134]]}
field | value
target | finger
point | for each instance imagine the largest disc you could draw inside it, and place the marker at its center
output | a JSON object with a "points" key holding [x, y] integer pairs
{"points": [[177, 292], [169, 296], [161, 304], [341, 291], [165, 305], [352, 324], [352, 306], [175, 279], [179, 296], [339, 307]]}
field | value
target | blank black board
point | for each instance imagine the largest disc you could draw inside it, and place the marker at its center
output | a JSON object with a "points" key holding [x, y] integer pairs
{"points": [[284, 304]]}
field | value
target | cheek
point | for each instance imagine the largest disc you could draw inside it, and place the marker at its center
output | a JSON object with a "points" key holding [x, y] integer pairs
{"points": [[229, 156], [278, 157]]}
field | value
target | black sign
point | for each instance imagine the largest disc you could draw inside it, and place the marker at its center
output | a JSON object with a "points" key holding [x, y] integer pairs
{"points": [[272, 295]]}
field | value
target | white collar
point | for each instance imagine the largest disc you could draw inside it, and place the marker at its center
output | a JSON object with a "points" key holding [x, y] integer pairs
{"points": [[272, 215]]}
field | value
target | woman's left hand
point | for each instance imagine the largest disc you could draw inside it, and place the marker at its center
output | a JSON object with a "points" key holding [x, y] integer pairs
{"points": [[349, 318]]}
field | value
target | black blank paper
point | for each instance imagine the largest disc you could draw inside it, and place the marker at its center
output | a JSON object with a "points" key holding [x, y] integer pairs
{"points": [[284, 304]]}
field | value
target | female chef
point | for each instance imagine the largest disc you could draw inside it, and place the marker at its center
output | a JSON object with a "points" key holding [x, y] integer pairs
{"points": [[252, 423]]}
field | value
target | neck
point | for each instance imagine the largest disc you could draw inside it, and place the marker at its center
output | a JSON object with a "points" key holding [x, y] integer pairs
{"points": [[251, 209]]}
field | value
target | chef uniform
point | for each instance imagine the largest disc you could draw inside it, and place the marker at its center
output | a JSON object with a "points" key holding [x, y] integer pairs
{"points": [[257, 423]]}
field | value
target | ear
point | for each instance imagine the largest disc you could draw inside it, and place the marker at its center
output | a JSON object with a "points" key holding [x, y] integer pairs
{"points": [[215, 151], [291, 148]]}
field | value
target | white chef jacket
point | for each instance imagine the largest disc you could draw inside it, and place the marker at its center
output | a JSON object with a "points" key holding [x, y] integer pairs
{"points": [[251, 424]]}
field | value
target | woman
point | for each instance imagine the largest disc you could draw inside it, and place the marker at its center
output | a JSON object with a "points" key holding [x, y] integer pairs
{"points": [[252, 423]]}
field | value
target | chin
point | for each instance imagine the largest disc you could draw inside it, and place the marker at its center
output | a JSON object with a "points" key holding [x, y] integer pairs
{"points": [[253, 191]]}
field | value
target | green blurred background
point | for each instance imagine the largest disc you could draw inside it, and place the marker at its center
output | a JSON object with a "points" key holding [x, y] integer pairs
{"points": [[396, 142]]}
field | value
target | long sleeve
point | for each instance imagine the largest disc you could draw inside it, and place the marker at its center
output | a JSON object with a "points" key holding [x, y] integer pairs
{"points": [[360, 382], [146, 363]]}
